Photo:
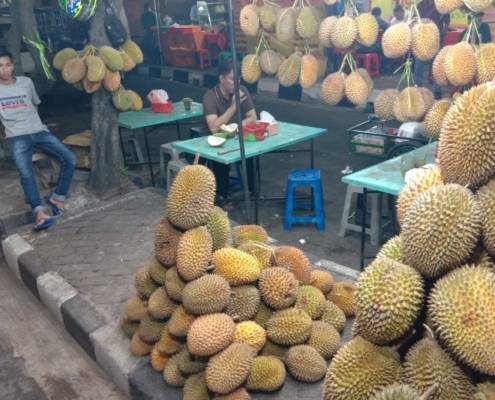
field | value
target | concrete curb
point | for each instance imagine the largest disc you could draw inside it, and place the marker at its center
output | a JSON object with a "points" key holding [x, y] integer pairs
{"points": [[100, 339]]}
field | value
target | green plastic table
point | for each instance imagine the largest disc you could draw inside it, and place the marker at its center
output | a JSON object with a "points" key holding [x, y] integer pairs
{"points": [[229, 153], [146, 120], [386, 177]]}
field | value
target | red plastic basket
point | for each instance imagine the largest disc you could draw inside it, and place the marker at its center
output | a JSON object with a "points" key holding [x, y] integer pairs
{"points": [[163, 108], [258, 130]]}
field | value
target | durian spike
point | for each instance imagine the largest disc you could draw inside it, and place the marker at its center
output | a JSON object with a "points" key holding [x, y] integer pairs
{"points": [[430, 392]]}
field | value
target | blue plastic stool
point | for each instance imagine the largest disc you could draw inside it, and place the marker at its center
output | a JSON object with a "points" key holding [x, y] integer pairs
{"points": [[304, 178]]}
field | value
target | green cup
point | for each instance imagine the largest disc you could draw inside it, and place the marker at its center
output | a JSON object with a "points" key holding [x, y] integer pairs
{"points": [[187, 103]]}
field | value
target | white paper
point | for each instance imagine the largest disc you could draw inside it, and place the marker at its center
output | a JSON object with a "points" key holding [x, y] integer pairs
{"points": [[158, 96], [265, 116]]}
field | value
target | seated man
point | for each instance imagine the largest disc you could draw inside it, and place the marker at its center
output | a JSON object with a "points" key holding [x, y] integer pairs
{"points": [[220, 108], [25, 133]]}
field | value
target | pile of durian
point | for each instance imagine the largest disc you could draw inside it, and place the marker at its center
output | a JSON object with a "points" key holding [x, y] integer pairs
{"points": [[221, 312], [425, 308], [94, 68]]}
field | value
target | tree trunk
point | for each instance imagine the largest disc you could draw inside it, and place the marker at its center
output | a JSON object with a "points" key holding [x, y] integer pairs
{"points": [[105, 146]]}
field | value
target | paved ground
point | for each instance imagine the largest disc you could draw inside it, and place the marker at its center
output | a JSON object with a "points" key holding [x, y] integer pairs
{"points": [[38, 359]]}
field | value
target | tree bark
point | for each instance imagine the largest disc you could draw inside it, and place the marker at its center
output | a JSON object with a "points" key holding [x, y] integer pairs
{"points": [[105, 146]]}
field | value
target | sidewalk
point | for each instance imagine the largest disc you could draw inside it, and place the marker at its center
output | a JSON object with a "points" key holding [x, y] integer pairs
{"points": [[83, 270]]}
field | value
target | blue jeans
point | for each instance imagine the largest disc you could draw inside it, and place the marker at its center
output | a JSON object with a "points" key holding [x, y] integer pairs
{"points": [[22, 148]]}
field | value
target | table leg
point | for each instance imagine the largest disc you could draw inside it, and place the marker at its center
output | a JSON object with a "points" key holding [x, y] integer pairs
{"points": [[256, 184], [122, 147], [363, 228], [312, 165], [150, 165]]}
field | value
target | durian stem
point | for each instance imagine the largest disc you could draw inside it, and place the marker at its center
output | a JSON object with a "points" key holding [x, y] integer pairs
{"points": [[428, 330], [430, 392], [257, 52]]}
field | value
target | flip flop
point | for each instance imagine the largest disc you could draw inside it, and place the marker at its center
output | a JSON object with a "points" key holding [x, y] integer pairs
{"points": [[45, 224], [56, 210]]}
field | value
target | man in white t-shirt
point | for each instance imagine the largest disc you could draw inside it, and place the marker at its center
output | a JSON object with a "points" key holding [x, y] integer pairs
{"points": [[25, 133]]}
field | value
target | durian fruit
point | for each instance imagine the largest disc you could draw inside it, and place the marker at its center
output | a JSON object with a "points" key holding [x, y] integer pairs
{"points": [[397, 392], [135, 308], [251, 333], [342, 294], [237, 267], [267, 374], [311, 300], [460, 64], [434, 118], [409, 105], [305, 364], [128, 63], [111, 57], [344, 32], [244, 302], [157, 271], [367, 28], [309, 71], [171, 373], [325, 30], [425, 40], [447, 6], [239, 394], [428, 97], [194, 253], [289, 327], [278, 287], [218, 225], [388, 300], [180, 322], [263, 253], [128, 327], [440, 230], [427, 363], [189, 364], [270, 61], [306, 23], [467, 150], [63, 56], [485, 62], [295, 261], [477, 5], [289, 70], [364, 73], [481, 257], [95, 68], [122, 100], [150, 329], [438, 67], [136, 101], [396, 40], [275, 350], [324, 338], [356, 88], [263, 315], [74, 70], [160, 306], [195, 388], [359, 369], [210, 334], [145, 286], [168, 345], [249, 19], [140, 348], [285, 26], [133, 50], [461, 310], [333, 88], [191, 197], [90, 87], [251, 68], [206, 295], [393, 248], [486, 391], [268, 17], [229, 369], [384, 103], [424, 180], [174, 285], [249, 233], [486, 199], [333, 315], [112, 81], [158, 360], [322, 280], [166, 242]]}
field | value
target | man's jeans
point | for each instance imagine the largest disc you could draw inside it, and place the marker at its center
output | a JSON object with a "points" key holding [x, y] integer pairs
{"points": [[22, 148]]}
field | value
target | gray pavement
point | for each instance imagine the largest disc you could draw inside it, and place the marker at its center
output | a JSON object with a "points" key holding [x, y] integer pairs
{"points": [[38, 359]]}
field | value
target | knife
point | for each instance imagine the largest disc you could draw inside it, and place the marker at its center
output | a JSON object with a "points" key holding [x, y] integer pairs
{"points": [[223, 152]]}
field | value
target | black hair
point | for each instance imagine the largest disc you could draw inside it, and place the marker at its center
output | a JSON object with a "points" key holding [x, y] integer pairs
{"points": [[6, 53], [225, 67], [398, 8], [376, 11]]}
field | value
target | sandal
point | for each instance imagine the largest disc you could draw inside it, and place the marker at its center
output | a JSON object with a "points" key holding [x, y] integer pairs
{"points": [[44, 223], [56, 210]]}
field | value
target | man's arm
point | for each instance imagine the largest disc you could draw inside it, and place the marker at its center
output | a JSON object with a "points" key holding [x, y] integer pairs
{"points": [[214, 121], [251, 117]]}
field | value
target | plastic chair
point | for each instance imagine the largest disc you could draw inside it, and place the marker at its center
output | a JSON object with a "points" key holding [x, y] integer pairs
{"points": [[174, 154], [304, 178], [370, 62]]}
